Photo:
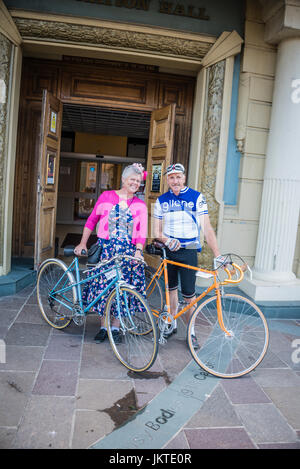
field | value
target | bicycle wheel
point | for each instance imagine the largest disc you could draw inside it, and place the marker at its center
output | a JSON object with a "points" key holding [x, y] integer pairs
{"points": [[234, 355], [56, 308], [139, 340], [154, 292]]}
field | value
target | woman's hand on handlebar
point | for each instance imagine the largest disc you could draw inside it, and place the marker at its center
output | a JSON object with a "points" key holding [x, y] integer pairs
{"points": [[80, 250], [139, 255]]}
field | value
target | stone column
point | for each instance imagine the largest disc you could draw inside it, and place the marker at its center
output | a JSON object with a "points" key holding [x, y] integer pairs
{"points": [[281, 193], [5, 61]]}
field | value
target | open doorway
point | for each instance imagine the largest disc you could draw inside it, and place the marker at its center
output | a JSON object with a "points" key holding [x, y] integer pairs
{"points": [[96, 144]]}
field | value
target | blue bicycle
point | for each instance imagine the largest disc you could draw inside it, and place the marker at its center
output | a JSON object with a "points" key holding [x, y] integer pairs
{"points": [[59, 295]]}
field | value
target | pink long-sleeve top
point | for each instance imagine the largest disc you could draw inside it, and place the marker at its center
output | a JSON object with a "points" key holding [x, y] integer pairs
{"points": [[103, 207]]}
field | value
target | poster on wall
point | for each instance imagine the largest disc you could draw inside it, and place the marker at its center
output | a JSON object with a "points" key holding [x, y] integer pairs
{"points": [[50, 169], [53, 120], [156, 177]]}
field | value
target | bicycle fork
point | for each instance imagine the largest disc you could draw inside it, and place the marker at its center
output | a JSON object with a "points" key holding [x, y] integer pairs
{"points": [[220, 314], [122, 294]]}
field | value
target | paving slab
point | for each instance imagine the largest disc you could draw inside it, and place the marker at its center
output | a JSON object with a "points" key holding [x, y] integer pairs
{"points": [[179, 441], [89, 426], [99, 394], [31, 314], [287, 400], [98, 361], [274, 377], [219, 438], [57, 378], [265, 424], [28, 334], [15, 388], [46, 424], [244, 390], [7, 436], [217, 411], [66, 347], [22, 358], [282, 446], [7, 316]]}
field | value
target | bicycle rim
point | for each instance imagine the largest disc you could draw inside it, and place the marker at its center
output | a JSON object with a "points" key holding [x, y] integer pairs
{"points": [[138, 348], [52, 277], [234, 355], [153, 292]]}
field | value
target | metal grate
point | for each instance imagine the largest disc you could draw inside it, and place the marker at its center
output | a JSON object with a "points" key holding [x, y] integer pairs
{"points": [[105, 121]]}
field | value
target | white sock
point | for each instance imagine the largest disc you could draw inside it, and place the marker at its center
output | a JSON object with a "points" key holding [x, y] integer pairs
{"points": [[114, 328]]}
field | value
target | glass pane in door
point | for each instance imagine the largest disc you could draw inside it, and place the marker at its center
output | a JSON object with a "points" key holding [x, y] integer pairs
{"points": [[87, 175], [110, 176], [85, 189]]}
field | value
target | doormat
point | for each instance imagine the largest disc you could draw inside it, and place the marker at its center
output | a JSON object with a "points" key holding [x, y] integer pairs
{"points": [[73, 239]]}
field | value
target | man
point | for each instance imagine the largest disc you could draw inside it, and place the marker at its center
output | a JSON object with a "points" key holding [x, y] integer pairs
{"points": [[179, 216]]}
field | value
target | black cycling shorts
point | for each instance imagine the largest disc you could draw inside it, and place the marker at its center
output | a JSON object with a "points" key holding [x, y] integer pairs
{"points": [[187, 276]]}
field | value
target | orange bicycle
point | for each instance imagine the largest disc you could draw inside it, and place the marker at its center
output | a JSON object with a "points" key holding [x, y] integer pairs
{"points": [[232, 332]]}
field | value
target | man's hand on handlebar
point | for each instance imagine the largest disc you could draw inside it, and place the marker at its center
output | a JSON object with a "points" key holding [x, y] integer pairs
{"points": [[173, 244], [220, 261]]}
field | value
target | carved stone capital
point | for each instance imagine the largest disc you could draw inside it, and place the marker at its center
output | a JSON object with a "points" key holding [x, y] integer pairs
{"points": [[102, 36], [282, 19]]}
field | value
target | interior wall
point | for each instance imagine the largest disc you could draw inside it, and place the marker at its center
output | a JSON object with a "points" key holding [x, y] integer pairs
{"points": [[100, 144]]}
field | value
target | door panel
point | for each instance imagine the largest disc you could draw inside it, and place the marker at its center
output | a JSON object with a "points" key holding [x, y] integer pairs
{"points": [[160, 155], [47, 178]]}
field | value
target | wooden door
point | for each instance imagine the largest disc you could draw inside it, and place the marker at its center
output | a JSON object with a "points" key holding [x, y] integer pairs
{"points": [[47, 178], [160, 155]]}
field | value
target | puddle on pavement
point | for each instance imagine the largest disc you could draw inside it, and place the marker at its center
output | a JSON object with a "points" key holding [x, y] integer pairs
{"points": [[150, 375], [123, 410], [126, 408]]}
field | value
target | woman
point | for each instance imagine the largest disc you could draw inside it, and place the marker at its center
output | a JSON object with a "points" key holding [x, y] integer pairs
{"points": [[122, 229]]}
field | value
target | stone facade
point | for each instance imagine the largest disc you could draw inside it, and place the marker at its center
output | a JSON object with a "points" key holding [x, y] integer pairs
{"points": [[210, 146]]}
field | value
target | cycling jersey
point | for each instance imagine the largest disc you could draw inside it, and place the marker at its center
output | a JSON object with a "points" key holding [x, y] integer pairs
{"points": [[181, 215]]}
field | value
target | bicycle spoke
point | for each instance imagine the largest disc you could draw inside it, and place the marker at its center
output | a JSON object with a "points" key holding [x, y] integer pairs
{"points": [[56, 308], [138, 347]]}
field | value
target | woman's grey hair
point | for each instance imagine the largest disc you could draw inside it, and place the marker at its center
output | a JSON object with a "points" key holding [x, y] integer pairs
{"points": [[131, 169]]}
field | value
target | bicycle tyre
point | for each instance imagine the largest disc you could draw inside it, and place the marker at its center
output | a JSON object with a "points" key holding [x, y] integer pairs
{"points": [[154, 293], [219, 354], [53, 272], [138, 349]]}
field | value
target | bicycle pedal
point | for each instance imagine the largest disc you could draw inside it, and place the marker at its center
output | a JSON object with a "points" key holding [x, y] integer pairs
{"points": [[167, 335], [162, 340]]}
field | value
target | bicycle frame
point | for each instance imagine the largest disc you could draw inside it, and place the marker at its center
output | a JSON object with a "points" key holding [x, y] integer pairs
{"points": [[116, 280], [77, 285], [162, 269]]}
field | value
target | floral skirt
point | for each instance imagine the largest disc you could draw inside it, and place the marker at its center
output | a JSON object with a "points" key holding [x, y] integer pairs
{"points": [[132, 272]]}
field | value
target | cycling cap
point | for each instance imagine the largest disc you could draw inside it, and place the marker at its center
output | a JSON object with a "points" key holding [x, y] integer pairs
{"points": [[175, 168]]}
